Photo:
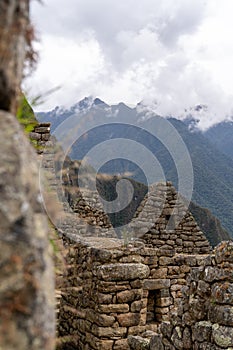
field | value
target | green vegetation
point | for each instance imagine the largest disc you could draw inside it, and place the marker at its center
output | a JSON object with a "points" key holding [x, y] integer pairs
{"points": [[209, 224], [107, 190], [213, 170], [26, 116]]}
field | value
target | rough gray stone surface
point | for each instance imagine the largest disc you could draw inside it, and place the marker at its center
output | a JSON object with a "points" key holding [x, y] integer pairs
{"points": [[14, 41], [27, 317]]}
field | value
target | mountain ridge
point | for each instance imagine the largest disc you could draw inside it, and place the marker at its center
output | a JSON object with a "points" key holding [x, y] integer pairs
{"points": [[213, 170]]}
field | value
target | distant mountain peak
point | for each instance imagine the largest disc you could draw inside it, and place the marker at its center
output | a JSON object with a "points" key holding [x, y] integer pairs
{"points": [[98, 101], [85, 103], [123, 106], [200, 107]]}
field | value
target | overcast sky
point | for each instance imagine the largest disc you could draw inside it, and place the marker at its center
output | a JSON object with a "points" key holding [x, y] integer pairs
{"points": [[173, 54]]}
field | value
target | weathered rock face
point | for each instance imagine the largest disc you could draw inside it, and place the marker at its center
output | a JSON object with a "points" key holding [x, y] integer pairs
{"points": [[26, 288], [14, 38]]}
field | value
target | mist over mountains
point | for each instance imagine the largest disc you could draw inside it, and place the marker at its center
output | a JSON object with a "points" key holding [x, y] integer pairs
{"points": [[211, 151]]}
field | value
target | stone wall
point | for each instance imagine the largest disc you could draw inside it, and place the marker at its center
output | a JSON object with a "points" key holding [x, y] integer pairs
{"points": [[174, 226], [204, 316], [112, 292], [165, 290], [103, 295], [40, 136], [161, 219], [204, 319]]}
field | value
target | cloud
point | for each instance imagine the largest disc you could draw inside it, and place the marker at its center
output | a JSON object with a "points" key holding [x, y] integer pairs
{"points": [[177, 53], [111, 23]]}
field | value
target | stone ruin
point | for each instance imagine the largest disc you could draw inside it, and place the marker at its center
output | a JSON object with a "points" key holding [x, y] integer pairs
{"points": [[136, 297], [166, 290]]}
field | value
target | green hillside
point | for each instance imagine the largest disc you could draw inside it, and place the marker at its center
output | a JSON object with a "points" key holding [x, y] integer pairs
{"points": [[213, 170], [106, 186], [25, 115]]}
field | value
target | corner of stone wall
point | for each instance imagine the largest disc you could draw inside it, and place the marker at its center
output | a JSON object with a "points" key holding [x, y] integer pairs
{"points": [[204, 319]]}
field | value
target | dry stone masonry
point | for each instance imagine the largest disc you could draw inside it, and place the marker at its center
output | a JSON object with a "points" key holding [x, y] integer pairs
{"points": [[174, 226], [204, 318], [165, 290], [139, 298], [41, 135]]}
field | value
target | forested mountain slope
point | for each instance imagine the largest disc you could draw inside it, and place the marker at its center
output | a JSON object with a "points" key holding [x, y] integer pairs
{"points": [[213, 170]]}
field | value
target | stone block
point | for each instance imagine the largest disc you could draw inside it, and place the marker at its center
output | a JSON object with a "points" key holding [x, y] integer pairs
{"points": [[45, 137], [105, 344], [91, 341], [202, 331], [222, 293], [101, 319], [196, 273], [122, 272], [138, 343], [45, 124], [159, 273], [136, 306], [121, 344], [224, 252], [152, 327], [177, 338], [42, 129], [221, 314], [151, 260], [109, 332], [136, 330], [156, 343], [111, 287], [104, 298], [161, 310], [166, 252], [35, 136], [153, 284], [113, 308], [136, 283], [129, 319], [198, 308], [143, 319], [188, 244], [166, 329], [187, 319], [203, 289], [165, 261], [222, 336], [212, 274], [101, 255], [129, 295], [176, 287]]}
